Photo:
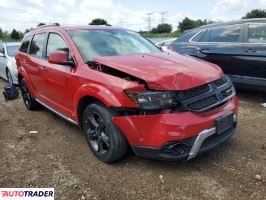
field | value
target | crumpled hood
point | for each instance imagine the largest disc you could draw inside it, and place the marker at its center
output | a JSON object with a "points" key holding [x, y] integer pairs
{"points": [[164, 71]]}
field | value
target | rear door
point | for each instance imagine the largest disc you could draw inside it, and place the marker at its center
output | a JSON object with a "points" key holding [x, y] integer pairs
{"points": [[34, 63], [2, 61], [58, 77], [254, 54], [224, 48]]}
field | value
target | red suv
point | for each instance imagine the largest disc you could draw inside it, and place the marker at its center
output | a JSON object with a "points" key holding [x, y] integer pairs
{"points": [[123, 91]]}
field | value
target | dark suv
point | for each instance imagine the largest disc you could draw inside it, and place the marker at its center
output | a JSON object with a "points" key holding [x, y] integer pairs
{"points": [[238, 47]]}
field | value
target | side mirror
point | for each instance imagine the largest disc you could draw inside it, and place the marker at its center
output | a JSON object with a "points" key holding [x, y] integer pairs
{"points": [[60, 58]]}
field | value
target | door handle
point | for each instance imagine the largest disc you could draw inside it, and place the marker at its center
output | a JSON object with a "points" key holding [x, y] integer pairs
{"points": [[250, 51], [44, 68], [204, 50]]}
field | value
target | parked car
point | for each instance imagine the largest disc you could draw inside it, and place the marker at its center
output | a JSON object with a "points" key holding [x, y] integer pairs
{"points": [[164, 44], [123, 91], [8, 67], [238, 47]]}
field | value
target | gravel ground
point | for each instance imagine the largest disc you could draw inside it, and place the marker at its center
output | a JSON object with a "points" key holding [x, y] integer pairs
{"points": [[58, 156]]}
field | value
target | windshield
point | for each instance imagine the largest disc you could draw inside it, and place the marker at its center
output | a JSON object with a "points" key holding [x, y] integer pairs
{"points": [[12, 50], [92, 43]]}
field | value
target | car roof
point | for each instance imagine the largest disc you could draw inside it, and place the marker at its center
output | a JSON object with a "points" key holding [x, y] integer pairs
{"points": [[71, 28], [253, 20]]}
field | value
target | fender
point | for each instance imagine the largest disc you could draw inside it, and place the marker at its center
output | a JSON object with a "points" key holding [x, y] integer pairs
{"points": [[23, 73], [97, 91]]}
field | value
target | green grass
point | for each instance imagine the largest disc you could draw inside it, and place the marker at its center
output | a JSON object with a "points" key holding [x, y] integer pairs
{"points": [[161, 35]]}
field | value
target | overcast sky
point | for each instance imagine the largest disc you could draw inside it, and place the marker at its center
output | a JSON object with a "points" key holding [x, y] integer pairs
{"points": [[22, 14]]}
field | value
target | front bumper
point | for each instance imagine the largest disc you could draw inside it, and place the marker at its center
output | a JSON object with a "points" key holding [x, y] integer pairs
{"points": [[186, 149], [151, 136]]}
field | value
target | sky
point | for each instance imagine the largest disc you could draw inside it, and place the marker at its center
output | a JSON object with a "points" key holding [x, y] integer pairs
{"points": [[131, 14]]}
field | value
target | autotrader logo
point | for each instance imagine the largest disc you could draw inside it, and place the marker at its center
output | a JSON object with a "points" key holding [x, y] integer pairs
{"points": [[27, 193]]}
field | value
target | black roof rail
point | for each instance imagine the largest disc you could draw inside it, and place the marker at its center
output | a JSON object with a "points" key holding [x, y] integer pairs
{"points": [[47, 25]]}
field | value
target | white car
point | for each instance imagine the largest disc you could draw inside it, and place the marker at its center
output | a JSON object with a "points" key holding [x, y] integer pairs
{"points": [[8, 67], [163, 44]]}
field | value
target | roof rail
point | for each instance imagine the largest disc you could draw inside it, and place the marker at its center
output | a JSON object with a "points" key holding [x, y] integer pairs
{"points": [[47, 25]]}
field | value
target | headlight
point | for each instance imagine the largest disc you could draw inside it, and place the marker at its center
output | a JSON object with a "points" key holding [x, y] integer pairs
{"points": [[154, 100]]}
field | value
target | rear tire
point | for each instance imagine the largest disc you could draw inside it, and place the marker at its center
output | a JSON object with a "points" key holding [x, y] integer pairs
{"points": [[104, 138], [29, 102]]}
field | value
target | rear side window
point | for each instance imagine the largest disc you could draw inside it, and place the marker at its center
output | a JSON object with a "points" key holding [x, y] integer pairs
{"points": [[38, 45], [56, 43], [25, 44], [257, 33], [202, 36], [225, 34]]}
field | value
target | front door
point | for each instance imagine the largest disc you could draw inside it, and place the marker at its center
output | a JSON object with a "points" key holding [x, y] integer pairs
{"points": [[58, 78], [254, 54]]}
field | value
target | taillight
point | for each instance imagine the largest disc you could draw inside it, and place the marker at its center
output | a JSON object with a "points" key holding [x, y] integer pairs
{"points": [[170, 47]]}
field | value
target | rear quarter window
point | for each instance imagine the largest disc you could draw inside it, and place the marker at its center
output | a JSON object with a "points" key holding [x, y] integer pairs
{"points": [[25, 44], [257, 33]]}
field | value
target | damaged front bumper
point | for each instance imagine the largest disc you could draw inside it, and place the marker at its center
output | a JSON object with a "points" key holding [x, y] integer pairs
{"points": [[176, 136]]}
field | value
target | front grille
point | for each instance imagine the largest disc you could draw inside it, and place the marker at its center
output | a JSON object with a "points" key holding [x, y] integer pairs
{"points": [[188, 94], [220, 82], [203, 103], [207, 96]]}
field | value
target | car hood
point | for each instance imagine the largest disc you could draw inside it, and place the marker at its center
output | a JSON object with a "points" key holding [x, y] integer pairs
{"points": [[164, 71]]}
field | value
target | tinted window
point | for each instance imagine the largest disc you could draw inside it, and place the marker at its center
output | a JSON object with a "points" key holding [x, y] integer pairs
{"points": [[2, 49], [225, 34], [37, 45], [202, 36], [257, 33], [25, 44], [56, 43], [186, 36]]}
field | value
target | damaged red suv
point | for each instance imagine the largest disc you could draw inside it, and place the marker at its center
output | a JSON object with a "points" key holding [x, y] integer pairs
{"points": [[124, 92]]}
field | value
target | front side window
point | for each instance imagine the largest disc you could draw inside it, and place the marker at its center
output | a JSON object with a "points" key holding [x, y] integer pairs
{"points": [[37, 45], [113, 42], [225, 34], [257, 33], [25, 44], [12, 50], [56, 43]]}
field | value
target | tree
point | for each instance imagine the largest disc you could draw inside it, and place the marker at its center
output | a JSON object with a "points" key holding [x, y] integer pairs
{"points": [[190, 23], [99, 21], [162, 28], [257, 13], [15, 35], [1, 33]]}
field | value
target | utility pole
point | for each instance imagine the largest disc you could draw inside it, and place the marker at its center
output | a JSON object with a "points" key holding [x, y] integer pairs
{"points": [[163, 18], [149, 20]]}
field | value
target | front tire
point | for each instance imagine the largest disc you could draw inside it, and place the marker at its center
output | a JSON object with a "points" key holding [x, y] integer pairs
{"points": [[104, 138], [29, 102]]}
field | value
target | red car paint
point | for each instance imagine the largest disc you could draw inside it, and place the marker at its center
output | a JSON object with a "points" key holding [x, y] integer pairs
{"points": [[62, 88]]}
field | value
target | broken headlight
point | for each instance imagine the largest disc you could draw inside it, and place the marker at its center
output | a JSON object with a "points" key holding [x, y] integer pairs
{"points": [[153, 100]]}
